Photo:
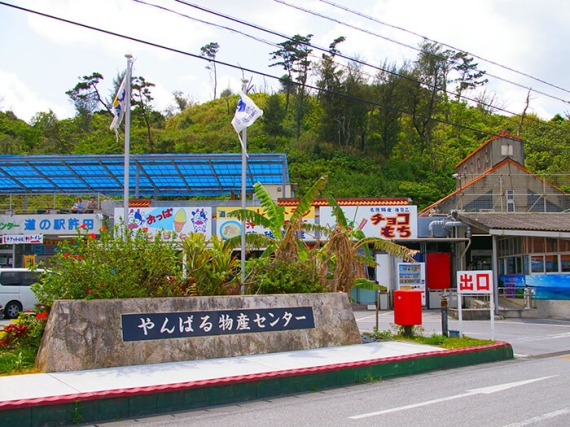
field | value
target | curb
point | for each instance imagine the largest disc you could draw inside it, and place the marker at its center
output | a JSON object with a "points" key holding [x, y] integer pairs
{"points": [[145, 401]]}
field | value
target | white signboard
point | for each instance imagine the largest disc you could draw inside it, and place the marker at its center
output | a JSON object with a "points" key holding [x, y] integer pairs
{"points": [[475, 282], [387, 222], [21, 239], [173, 223], [228, 226], [49, 224]]}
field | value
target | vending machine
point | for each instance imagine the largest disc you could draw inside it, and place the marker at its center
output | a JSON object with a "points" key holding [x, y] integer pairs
{"points": [[412, 275]]}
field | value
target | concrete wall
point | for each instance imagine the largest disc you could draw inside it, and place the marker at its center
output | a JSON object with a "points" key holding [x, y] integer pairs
{"points": [[552, 309], [88, 334]]}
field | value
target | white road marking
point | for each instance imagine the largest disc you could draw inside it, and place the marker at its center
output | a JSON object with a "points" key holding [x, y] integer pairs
{"points": [[484, 390], [539, 418]]}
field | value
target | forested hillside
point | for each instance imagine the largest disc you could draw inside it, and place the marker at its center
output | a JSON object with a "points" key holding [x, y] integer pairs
{"points": [[398, 133]]}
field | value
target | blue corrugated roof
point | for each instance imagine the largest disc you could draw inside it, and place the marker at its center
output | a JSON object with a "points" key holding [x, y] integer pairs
{"points": [[150, 175]]}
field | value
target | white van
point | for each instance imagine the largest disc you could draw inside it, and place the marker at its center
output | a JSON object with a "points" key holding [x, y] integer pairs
{"points": [[15, 292]]}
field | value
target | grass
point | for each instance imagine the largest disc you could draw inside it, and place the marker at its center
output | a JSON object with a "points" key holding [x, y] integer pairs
{"points": [[417, 335], [17, 360]]}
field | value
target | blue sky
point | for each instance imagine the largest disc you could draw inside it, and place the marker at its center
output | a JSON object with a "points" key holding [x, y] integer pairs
{"points": [[40, 58]]}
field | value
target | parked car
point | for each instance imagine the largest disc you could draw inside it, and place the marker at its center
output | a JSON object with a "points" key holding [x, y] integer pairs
{"points": [[15, 292]]}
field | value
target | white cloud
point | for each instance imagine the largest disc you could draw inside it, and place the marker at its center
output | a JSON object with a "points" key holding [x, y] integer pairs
{"points": [[48, 57], [23, 102]]}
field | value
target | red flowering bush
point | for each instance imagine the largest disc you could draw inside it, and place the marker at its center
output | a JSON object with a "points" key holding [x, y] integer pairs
{"points": [[26, 331], [11, 334]]}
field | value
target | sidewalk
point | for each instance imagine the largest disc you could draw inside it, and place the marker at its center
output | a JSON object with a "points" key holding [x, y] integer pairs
{"points": [[132, 391]]}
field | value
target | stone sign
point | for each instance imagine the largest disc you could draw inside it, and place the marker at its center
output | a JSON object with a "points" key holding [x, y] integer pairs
{"points": [[105, 333]]}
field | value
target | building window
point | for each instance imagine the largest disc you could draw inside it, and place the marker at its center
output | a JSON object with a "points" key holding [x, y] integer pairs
{"points": [[565, 263], [514, 265], [533, 255], [537, 264], [551, 263]]}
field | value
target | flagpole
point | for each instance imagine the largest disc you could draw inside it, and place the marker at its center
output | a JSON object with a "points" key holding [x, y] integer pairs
{"points": [[127, 142], [243, 193]]}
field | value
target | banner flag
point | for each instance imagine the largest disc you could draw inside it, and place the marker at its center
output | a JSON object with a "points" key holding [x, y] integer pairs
{"points": [[119, 105], [246, 113]]}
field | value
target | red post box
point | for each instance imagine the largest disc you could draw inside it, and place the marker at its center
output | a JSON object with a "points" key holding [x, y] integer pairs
{"points": [[408, 307]]}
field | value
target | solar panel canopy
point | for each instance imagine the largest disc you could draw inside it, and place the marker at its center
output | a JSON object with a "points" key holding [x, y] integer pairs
{"points": [[150, 175]]}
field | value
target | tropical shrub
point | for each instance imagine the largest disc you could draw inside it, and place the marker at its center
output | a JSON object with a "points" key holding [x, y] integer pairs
{"points": [[274, 276], [112, 267], [210, 267]]}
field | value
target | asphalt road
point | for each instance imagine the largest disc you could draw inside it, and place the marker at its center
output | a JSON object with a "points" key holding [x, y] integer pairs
{"points": [[515, 393], [528, 337]]}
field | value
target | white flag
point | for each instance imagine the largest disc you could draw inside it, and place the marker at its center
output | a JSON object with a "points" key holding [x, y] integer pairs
{"points": [[246, 113], [119, 105]]}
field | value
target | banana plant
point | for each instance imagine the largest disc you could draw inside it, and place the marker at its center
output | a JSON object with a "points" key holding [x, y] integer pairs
{"points": [[284, 241], [340, 255]]}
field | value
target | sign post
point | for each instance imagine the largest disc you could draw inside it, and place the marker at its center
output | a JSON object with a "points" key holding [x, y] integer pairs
{"points": [[475, 282]]}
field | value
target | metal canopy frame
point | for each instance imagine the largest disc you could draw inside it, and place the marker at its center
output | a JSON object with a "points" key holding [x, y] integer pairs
{"points": [[154, 175]]}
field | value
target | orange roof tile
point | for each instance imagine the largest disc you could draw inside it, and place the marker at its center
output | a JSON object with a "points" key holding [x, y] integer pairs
{"points": [[140, 203], [351, 201]]}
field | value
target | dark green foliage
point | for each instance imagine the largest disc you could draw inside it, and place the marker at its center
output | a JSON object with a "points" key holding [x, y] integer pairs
{"points": [[112, 267], [283, 277]]}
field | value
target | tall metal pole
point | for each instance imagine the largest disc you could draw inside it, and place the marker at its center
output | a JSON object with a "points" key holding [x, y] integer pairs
{"points": [[127, 142], [243, 193]]}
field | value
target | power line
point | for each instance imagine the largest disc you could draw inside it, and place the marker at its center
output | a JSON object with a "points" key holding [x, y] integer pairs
{"points": [[229, 65], [355, 12], [417, 49], [354, 60]]}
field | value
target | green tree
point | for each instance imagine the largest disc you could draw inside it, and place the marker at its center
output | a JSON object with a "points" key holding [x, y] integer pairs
{"points": [[210, 51], [293, 56], [385, 123], [182, 102], [284, 242], [142, 101], [210, 266], [57, 136], [425, 96], [227, 94], [470, 77], [86, 98], [273, 116], [330, 81], [17, 136], [112, 267]]}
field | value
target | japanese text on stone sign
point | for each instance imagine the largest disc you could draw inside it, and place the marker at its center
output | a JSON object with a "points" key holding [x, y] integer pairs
{"points": [[153, 326]]}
